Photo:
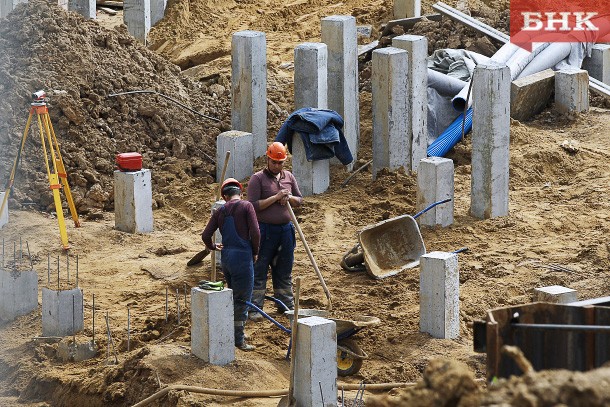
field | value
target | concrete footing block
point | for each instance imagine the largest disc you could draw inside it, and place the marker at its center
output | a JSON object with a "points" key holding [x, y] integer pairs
{"points": [[18, 293], [407, 8], [62, 312], [439, 295], [530, 95], [133, 201], [241, 162], [571, 91], [313, 177], [555, 294], [212, 333], [315, 369], [598, 64], [136, 16], [85, 8], [435, 182], [4, 214]]}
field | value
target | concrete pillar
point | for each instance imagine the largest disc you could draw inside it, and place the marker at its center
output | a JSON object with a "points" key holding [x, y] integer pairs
{"points": [[310, 75], [249, 87], [417, 95], [6, 6], [407, 8], [85, 8], [316, 363], [62, 312], [241, 162], [339, 34], [439, 295], [435, 183], [555, 294], [133, 201], [212, 333], [157, 11], [313, 177], [598, 64], [572, 91], [490, 141], [18, 293], [136, 16], [4, 214], [391, 147]]}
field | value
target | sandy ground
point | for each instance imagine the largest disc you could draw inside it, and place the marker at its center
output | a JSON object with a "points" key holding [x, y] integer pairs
{"points": [[558, 214]]}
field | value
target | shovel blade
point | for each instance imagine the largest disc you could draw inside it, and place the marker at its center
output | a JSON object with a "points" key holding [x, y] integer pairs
{"points": [[198, 258], [286, 401]]}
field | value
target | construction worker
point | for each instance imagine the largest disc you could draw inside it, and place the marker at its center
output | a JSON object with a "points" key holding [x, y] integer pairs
{"points": [[269, 190], [237, 222]]}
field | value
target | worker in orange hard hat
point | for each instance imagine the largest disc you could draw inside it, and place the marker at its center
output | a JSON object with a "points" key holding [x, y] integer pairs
{"points": [[237, 222], [269, 190]]}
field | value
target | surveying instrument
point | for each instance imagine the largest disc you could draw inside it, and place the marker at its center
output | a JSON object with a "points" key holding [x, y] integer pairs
{"points": [[50, 147]]}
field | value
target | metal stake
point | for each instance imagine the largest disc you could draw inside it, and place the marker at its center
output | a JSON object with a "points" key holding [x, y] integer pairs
{"points": [[185, 297], [29, 255], [165, 304], [93, 318], [116, 358], [128, 329], [77, 270], [20, 251], [178, 306]]}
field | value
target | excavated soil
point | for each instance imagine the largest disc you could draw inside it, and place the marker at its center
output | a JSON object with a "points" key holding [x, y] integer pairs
{"points": [[558, 214]]}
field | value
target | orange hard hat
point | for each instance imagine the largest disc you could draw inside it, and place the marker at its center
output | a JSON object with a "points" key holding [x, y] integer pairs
{"points": [[277, 151], [229, 182]]}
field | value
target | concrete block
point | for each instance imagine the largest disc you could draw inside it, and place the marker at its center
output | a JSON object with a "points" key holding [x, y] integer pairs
{"points": [[241, 162], [407, 8], [490, 141], [313, 177], [598, 64], [310, 76], [157, 11], [62, 312], [530, 95], [6, 6], [212, 336], [4, 214], [136, 16], [439, 295], [555, 294], [249, 87], [417, 95], [85, 8], [391, 144], [133, 201], [18, 293], [435, 182], [316, 363], [571, 91], [339, 34]]}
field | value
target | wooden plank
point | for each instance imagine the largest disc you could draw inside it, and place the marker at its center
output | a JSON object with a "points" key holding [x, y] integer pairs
{"points": [[109, 3], [363, 49], [109, 11]]}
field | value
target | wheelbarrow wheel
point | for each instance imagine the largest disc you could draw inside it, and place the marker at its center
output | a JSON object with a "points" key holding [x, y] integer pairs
{"points": [[348, 363]]}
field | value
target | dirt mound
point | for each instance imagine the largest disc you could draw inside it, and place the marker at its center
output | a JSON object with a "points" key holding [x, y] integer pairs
{"points": [[79, 64]]}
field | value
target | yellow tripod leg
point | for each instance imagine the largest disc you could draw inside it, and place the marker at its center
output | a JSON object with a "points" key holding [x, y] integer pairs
{"points": [[55, 186]]}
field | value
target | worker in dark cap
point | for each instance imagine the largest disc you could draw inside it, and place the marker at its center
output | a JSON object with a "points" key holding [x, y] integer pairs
{"points": [[238, 225]]}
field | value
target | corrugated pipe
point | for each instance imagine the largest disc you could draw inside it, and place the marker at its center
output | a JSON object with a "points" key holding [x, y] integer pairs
{"points": [[451, 136]]}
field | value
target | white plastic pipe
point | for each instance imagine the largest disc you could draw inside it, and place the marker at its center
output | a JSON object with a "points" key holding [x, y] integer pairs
{"points": [[444, 84], [548, 58]]}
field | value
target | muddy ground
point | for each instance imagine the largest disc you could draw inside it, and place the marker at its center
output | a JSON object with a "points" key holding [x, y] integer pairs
{"points": [[558, 210]]}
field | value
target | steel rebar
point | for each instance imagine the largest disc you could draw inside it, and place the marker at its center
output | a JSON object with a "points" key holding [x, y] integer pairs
{"points": [[178, 305], [166, 304], [116, 358], [185, 297], [93, 315], [128, 329], [27, 244]]}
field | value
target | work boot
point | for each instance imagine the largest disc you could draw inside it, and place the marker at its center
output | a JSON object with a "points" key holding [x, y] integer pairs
{"points": [[255, 316], [245, 347]]}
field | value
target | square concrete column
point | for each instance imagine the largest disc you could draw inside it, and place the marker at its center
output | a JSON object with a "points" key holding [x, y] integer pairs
{"points": [[18, 293], [316, 363], [417, 95], [572, 91], [310, 76], [391, 146], [157, 11], [249, 87], [85, 8], [555, 294], [62, 312], [313, 177], [439, 295], [598, 64], [339, 34], [212, 333], [490, 141], [241, 162], [6, 6], [407, 8], [136, 16], [133, 201], [4, 214], [435, 183]]}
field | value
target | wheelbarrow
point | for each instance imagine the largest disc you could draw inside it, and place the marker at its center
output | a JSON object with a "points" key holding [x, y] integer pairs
{"points": [[349, 354], [388, 247]]}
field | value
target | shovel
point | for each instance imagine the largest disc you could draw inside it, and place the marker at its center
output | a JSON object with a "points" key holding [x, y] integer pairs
{"points": [[198, 258], [289, 400]]}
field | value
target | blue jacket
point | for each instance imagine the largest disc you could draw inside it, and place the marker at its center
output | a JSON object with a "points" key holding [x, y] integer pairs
{"points": [[321, 131]]}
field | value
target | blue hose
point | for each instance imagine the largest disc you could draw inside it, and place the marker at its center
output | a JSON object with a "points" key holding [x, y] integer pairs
{"points": [[451, 136]]}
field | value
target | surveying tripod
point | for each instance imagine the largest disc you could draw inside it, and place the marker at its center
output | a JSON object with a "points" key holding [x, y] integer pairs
{"points": [[50, 147]]}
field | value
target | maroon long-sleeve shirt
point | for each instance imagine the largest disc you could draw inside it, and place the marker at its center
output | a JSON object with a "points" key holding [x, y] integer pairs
{"points": [[245, 223], [264, 184]]}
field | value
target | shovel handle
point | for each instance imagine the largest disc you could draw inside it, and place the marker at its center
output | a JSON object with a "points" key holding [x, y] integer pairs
{"points": [[218, 193], [293, 334]]}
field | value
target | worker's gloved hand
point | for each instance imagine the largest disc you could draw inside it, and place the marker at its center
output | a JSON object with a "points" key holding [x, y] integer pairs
{"points": [[211, 285]]}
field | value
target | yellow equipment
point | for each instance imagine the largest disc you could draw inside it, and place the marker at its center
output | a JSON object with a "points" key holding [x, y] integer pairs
{"points": [[50, 147]]}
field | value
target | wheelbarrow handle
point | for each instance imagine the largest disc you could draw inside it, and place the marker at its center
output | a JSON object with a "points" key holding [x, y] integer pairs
{"points": [[427, 208]]}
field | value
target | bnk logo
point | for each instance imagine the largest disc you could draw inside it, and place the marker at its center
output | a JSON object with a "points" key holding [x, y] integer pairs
{"points": [[559, 21]]}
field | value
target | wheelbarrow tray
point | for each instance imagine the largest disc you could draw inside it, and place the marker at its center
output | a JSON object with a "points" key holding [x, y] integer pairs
{"points": [[343, 325], [391, 246]]}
